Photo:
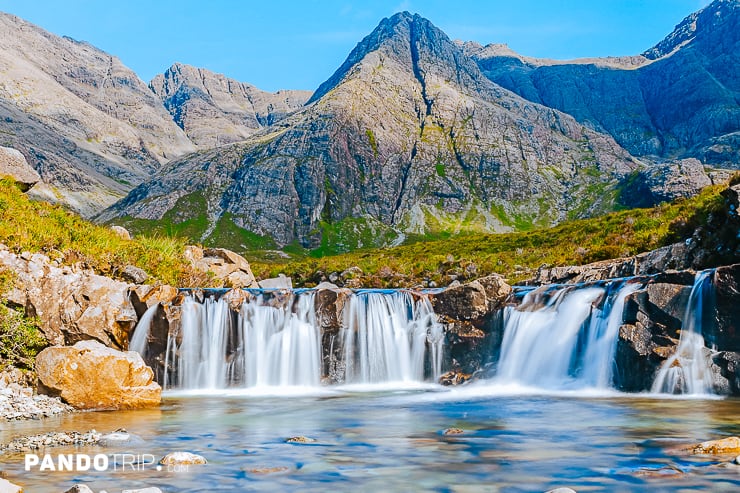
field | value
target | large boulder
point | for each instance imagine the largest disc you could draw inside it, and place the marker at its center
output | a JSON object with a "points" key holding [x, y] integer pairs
{"points": [[14, 165], [89, 375], [72, 303], [230, 268], [725, 332]]}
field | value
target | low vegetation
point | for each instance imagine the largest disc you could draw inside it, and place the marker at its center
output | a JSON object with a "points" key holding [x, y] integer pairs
{"points": [[514, 255], [41, 227], [20, 337]]}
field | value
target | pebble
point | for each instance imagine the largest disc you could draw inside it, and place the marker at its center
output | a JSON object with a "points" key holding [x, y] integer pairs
{"points": [[17, 403], [51, 439], [300, 439], [182, 458], [150, 489], [453, 431], [80, 488], [561, 490]]}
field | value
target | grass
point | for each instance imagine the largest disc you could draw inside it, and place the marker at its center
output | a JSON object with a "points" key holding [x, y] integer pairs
{"points": [[62, 235], [514, 255]]}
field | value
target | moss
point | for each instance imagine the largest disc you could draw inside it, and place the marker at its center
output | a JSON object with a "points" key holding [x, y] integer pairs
{"points": [[440, 168], [373, 142]]}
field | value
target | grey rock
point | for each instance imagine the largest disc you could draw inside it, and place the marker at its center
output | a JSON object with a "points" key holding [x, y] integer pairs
{"points": [[407, 133], [214, 110], [122, 232], [678, 99], [80, 488], [150, 489], [280, 282], [561, 490], [134, 274], [14, 165], [665, 182]]}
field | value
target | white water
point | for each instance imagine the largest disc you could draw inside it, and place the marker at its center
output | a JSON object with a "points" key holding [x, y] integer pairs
{"points": [[688, 370], [568, 343], [140, 340], [389, 338], [386, 338], [263, 345]]}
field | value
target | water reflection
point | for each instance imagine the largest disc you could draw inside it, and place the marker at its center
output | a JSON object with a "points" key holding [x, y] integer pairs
{"points": [[395, 441]]}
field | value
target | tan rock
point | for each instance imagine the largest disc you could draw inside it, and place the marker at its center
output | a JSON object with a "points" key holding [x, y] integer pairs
{"points": [[89, 375], [72, 304], [729, 445], [182, 458], [231, 268], [151, 295]]}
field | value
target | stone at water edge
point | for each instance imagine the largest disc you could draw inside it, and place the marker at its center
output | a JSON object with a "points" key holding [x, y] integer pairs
{"points": [[8, 487], [80, 488], [727, 445], [182, 458], [90, 375]]}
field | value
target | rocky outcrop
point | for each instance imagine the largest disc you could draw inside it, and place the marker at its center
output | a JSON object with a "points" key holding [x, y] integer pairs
{"points": [[14, 165], [80, 117], [89, 375], [214, 110], [231, 269], [73, 304], [407, 136], [473, 330], [18, 401], [665, 182], [678, 99]]}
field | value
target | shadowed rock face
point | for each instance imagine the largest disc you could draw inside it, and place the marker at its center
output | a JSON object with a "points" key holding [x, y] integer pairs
{"points": [[408, 134], [214, 110], [681, 98], [83, 120]]}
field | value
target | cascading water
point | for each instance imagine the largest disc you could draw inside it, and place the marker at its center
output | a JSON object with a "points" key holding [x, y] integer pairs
{"points": [[387, 336], [569, 342], [140, 340], [688, 370], [266, 344]]}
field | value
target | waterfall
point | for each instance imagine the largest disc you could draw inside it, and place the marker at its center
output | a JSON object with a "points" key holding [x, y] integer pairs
{"points": [[688, 370], [140, 339], [269, 342], [569, 342], [275, 340], [386, 337]]}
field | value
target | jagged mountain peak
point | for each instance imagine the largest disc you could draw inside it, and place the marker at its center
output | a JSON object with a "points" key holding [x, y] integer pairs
{"points": [[408, 38], [708, 19]]}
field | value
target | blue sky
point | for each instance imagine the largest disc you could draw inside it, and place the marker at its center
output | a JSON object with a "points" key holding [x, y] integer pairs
{"points": [[297, 45]]}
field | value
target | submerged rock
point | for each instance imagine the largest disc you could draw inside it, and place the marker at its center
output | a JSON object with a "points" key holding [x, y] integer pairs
{"points": [[300, 439], [453, 431], [182, 458], [89, 375]]}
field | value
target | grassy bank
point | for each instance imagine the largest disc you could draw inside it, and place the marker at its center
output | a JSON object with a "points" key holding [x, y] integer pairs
{"points": [[60, 234]]}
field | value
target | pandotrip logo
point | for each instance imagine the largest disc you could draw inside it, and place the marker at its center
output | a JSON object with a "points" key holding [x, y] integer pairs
{"points": [[97, 462]]}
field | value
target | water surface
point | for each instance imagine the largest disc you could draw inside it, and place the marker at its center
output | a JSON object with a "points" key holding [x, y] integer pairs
{"points": [[382, 439]]}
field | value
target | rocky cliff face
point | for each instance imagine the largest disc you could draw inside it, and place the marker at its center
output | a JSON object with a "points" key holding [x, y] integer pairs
{"points": [[678, 99], [214, 110], [83, 120], [408, 136]]}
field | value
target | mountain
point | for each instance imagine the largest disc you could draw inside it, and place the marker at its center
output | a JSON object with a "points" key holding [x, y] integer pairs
{"points": [[83, 120], [678, 99], [407, 137], [215, 110]]}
